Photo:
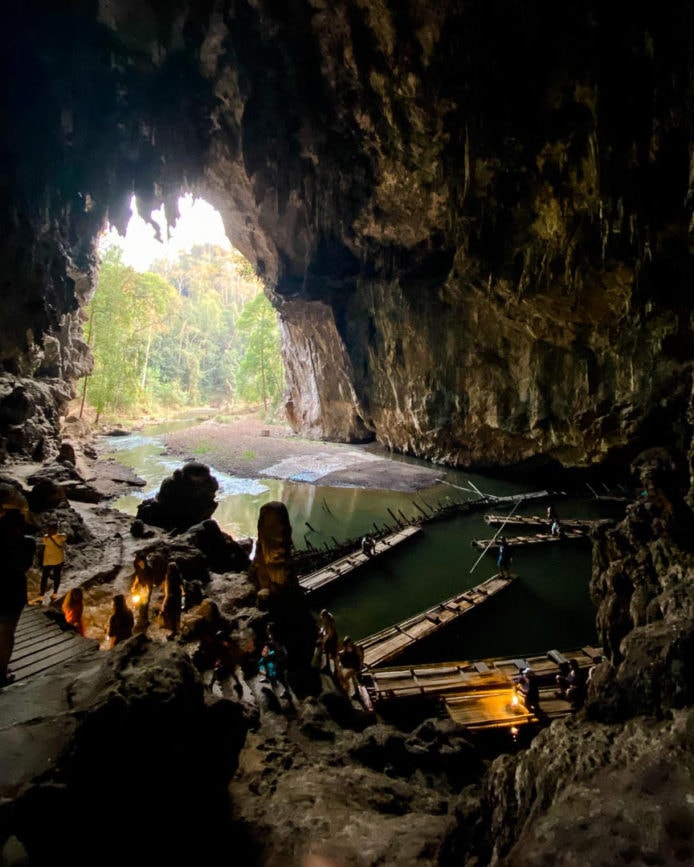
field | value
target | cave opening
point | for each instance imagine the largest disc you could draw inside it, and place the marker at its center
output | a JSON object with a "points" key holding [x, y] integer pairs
{"points": [[179, 321]]}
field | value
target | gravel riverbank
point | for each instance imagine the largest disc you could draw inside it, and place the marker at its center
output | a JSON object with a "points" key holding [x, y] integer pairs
{"points": [[251, 449]]}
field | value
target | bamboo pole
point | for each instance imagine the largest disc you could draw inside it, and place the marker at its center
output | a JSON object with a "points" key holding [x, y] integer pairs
{"points": [[493, 539]]}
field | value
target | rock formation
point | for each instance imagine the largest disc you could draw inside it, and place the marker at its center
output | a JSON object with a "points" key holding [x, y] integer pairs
{"points": [[130, 754], [185, 498], [272, 565]]}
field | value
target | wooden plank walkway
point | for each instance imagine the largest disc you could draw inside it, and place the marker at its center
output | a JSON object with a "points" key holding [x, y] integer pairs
{"points": [[345, 565], [479, 695], [535, 539], [393, 640], [540, 521], [42, 643]]}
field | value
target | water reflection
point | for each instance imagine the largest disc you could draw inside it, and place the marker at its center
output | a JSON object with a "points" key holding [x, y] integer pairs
{"points": [[549, 605]]}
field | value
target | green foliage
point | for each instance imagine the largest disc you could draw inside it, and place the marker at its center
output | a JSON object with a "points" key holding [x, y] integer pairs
{"points": [[127, 311], [190, 332], [260, 373]]}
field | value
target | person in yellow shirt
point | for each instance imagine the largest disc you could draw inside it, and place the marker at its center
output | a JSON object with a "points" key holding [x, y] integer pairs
{"points": [[53, 559]]}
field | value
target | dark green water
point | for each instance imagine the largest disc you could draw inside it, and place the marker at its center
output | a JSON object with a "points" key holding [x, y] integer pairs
{"points": [[548, 606]]}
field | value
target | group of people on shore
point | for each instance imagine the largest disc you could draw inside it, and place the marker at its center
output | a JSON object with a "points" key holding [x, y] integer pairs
{"points": [[23, 549], [343, 660], [20, 550]]}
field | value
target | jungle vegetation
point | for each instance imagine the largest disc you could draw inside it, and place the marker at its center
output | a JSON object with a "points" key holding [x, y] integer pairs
{"points": [[197, 331]]}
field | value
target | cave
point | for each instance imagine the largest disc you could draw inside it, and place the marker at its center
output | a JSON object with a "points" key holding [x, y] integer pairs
{"points": [[524, 181], [474, 221]]}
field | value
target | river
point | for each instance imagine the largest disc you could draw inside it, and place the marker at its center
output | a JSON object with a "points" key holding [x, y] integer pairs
{"points": [[547, 607]]}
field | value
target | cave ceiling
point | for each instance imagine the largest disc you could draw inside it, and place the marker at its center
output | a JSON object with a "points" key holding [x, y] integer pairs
{"points": [[473, 218]]}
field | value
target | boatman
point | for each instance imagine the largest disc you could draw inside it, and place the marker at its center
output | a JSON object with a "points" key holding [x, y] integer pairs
{"points": [[504, 558], [368, 546]]}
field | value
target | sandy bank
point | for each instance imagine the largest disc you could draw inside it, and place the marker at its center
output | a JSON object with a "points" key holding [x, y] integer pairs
{"points": [[252, 449]]}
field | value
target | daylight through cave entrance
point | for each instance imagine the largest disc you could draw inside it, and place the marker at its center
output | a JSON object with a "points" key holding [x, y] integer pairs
{"points": [[179, 321]]}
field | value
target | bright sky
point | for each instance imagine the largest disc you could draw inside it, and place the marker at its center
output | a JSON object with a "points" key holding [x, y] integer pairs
{"points": [[199, 223]]}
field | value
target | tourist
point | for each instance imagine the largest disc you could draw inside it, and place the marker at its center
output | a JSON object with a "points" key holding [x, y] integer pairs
{"points": [[576, 684], [351, 660], [52, 560], [227, 656], [572, 683], [504, 558], [170, 614], [73, 609], [526, 686], [327, 637], [18, 553], [141, 590], [267, 664], [281, 655], [562, 680], [552, 516], [121, 622]]}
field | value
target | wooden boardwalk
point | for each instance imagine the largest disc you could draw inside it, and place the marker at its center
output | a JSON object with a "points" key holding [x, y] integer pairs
{"points": [[480, 694], [539, 521], [535, 539], [390, 642], [42, 642], [345, 565]]}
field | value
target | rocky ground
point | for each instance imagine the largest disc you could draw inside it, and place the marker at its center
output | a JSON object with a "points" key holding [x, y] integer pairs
{"points": [[304, 777], [250, 448]]}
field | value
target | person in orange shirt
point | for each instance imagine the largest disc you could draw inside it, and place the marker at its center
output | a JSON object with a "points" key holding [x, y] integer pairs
{"points": [[53, 560], [73, 609]]}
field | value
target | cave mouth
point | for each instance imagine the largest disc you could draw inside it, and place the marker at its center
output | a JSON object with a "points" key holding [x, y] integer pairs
{"points": [[179, 321], [149, 239]]}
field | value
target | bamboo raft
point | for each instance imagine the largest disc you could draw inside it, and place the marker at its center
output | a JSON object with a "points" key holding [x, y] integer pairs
{"points": [[479, 695], [345, 565], [314, 559], [540, 521], [535, 539], [393, 640]]}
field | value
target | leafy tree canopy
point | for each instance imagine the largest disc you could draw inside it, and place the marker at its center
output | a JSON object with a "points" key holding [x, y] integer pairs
{"points": [[193, 331]]}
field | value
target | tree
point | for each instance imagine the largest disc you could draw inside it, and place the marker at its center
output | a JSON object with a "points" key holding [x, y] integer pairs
{"points": [[126, 313], [260, 374], [213, 285]]}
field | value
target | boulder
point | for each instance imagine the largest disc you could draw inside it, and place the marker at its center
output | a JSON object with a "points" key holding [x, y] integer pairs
{"points": [[184, 499]]}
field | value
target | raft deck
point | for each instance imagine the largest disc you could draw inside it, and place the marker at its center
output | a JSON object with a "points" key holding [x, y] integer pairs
{"points": [[535, 539], [345, 565], [480, 694], [539, 521], [393, 640]]}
